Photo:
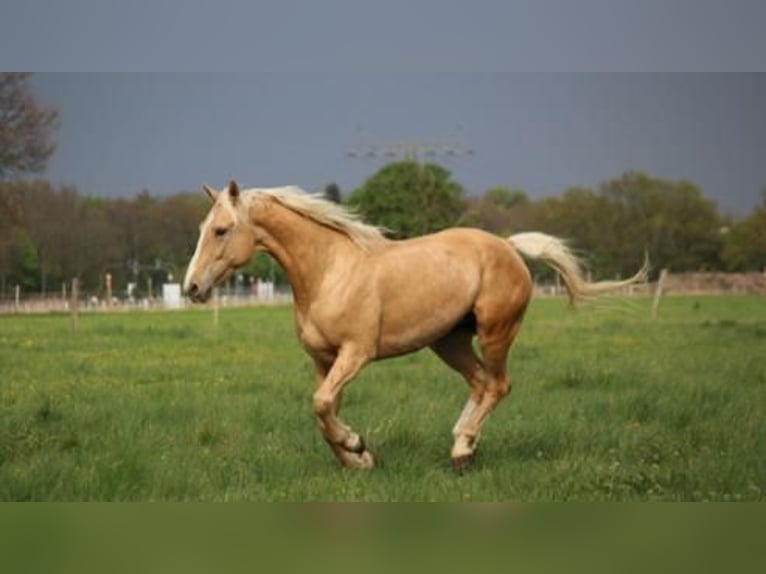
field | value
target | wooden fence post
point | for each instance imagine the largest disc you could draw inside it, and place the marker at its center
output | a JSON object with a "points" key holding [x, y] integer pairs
{"points": [[216, 305], [108, 281], [74, 307], [658, 293]]}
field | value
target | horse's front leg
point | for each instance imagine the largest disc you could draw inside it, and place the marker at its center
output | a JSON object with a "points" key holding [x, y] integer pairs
{"points": [[347, 445]]}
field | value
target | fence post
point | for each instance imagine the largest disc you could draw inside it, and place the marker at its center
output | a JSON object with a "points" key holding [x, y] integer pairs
{"points": [[658, 293], [149, 289], [74, 307], [216, 305], [17, 297], [108, 281]]}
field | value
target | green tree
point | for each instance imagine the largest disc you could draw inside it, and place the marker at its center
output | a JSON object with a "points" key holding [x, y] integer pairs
{"points": [[26, 128], [671, 219], [24, 264], [26, 144], [175, 223], [505, 197], [581, 215], [745, 241], [500, 210], [410, 198], [618, 222], [86, 237]]}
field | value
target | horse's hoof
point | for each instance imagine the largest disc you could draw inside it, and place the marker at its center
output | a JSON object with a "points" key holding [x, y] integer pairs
{"points": [[363, 460], [360, 461], [367, 460], [462, 463]]}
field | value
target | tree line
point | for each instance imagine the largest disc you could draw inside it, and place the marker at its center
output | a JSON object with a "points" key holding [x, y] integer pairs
{"points": [[50, 234]]}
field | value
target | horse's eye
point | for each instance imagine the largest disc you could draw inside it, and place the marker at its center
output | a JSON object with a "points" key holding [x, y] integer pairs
{"points": [[221, 231]]}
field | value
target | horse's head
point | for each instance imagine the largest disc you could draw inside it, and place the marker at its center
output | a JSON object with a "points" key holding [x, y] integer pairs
{"points": [[225, 242]]}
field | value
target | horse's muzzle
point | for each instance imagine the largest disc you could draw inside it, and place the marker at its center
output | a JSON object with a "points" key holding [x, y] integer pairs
{"points": [[194, 293]]}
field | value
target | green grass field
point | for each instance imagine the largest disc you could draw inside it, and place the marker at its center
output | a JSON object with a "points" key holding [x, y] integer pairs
{"points": [[607, 405]]}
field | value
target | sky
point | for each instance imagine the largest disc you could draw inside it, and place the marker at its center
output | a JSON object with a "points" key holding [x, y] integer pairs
{"points": [[548, 93], [383, 35], [542, 132]]}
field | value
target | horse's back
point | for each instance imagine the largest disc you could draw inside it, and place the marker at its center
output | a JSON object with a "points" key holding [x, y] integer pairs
{"points": [[506, 282], [454, 258], [478, 250]]}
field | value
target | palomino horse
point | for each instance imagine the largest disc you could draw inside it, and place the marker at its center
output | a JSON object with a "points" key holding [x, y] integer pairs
{"points": [[360, 297]]}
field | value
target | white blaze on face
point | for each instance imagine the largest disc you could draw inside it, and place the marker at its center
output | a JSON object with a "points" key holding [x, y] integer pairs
{"points": [[192, 269]]}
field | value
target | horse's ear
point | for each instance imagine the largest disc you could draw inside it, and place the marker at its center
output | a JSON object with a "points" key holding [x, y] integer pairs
{"points": [[211, 193], [233, 191]]}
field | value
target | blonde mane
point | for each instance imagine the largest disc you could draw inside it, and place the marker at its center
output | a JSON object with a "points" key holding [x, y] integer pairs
{"points": [[325, 212]]}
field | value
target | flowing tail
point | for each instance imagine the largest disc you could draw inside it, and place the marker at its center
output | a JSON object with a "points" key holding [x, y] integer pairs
{"points": [[555, 253]]}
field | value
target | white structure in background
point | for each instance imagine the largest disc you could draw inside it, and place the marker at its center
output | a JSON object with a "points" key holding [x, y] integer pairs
{"points": [[130, 292], [265, 290], [171, 296]]}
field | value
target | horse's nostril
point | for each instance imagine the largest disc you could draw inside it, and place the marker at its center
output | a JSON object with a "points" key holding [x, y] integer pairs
{"points": [[192, 290]]}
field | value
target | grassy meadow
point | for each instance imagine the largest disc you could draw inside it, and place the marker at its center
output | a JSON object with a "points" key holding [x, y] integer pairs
{"points": [[607, 405]]}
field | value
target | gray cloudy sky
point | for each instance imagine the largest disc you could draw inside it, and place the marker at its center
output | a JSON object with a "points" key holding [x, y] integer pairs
{"points": [[402, 70], [541, 132], [384, 35]]}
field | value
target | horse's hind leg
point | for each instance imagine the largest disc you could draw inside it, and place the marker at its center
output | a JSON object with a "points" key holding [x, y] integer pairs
{"points": [[456, 349], [495, 342]]}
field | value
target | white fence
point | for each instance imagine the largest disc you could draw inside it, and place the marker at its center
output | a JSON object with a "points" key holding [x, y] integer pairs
{"points": [[265, 293]]}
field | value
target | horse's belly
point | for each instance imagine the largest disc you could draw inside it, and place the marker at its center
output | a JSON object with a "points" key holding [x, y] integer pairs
{"points": [[423, 298], [415, 320], [399, 338]]}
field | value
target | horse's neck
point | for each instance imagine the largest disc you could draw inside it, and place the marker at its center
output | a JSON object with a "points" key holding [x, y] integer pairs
{"points": [[305, 249]]}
